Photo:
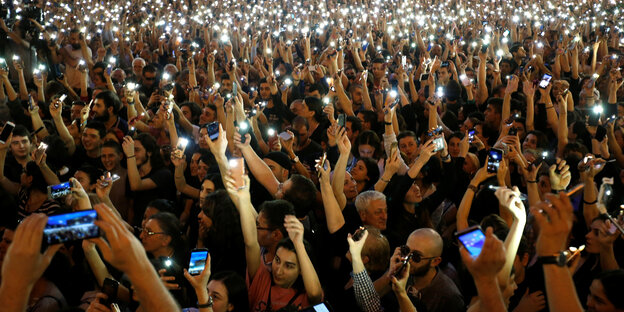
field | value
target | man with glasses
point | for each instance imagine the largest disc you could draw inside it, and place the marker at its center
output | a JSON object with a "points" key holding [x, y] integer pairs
{"points": [[426, 284], [148, 80], [270, 227]]}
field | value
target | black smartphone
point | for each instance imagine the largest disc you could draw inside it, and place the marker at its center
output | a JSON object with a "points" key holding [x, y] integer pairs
{"points": [[6, 132], [601, 132], [424, 77], [342, 120], [473, 239], [213, 130], [494, 159], [69, 227], [198, 261], [358, 233], [484, 48], [594, 116], [512, 131], [406, 256], [59, 190], [110, 287]]}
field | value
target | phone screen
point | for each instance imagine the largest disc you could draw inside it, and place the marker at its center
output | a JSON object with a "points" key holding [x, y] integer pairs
{"points": [[439, 144], [342, 120], [70, 227], [472, 239], [237, 167], [285, 136], [59, 190], [545, 81], [213, 130], [495, 157], [6, 131], [198, 261], [321, 307]]}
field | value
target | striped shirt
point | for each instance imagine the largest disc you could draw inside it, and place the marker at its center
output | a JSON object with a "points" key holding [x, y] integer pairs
{"points": [[49, 206]]}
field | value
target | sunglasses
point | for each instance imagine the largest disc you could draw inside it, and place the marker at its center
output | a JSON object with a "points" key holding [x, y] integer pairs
{"points": [[407, 253]]}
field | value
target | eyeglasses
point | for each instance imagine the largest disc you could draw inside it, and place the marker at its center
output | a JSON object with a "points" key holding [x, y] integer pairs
{"points": [[406, 252], [149, 78], [264, 228], [150, 233]]}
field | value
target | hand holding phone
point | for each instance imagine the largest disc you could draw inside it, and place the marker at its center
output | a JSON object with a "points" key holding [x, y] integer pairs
{"points": [[472, 239], [495, 156], [199, 258]]}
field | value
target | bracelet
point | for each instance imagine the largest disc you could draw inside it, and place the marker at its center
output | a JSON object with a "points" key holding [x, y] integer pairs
{"points": [[387, 181], [473, 188], [534, 181], [551, 106], [590, 203], [130, 156], [387, 123], [447, 157]]}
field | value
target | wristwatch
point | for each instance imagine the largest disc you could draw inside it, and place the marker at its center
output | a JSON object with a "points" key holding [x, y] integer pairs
{"points": [[296, 159], [560, 259], [207, 304]]}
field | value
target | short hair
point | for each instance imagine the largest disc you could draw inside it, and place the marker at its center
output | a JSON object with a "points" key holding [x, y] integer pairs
{"points": [[297, 121], [611, 283], [162, 205], [377, 248], [515, 47], [20, 130], [171, 226], [356, 123], [405, 134], [114, 145], [314, 104], [456, 134], [275, 211], [369, 116], [236, 289], [363, 200], [497, 104], [97, 125], [110, 100], [92, 172], [149, 68], [302, 194]]}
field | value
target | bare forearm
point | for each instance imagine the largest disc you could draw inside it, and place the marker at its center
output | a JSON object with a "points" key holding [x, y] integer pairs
{"points": [[560, 289]]}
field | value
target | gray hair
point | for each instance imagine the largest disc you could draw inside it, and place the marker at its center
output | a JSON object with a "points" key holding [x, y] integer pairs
{"points": [[139, 59], [363, 200]]}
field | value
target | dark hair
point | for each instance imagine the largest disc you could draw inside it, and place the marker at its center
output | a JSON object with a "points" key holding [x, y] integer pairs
{"points": [[368, 116], [405, 134], [514, 48], [92, 172], [114, 145], [149, 68], [288, 244], [110, 100], [20, 130], [163, 205], [97, 125], [611, 283], [302, 194], [170, 225], [275, 211], [38, 181], [315, 105], [195, 111], [150, 145], [372, 172], [356, 124], [367, 137], [236, 288], [456, 134], [542, 139]]}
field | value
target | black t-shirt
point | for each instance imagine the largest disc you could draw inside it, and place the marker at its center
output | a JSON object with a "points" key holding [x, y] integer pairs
{"points": [[81, 158], [12, 169], [309, 154], [165, 189]]}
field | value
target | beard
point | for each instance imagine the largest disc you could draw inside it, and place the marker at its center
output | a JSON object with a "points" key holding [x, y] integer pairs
{"points": [[420, 272], [103, 118], [76, 46]]}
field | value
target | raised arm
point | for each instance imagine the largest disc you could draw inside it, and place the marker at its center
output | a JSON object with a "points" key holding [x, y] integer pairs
{"points": [[333, 213], [365, 295], [8, 185], [180, 181], [464, 207], [510, 199], [311, 282], [134, 178], [344, 146], [56, 109]]}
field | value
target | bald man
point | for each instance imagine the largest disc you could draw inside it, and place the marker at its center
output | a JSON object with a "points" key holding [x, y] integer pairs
{"points": [[427, 284]]}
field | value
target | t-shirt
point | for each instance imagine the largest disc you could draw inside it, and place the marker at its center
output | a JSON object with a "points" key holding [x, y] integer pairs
{"points": [[81, 158], [262, 286], [165, 189], [49, 206], [440, 295]]}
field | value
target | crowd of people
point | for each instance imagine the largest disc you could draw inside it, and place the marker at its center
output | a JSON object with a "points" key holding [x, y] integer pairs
{"points": [[344, 155]]}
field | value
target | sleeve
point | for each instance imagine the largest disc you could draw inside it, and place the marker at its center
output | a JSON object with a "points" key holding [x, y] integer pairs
{"points": [[365, 295], [388, 139]]}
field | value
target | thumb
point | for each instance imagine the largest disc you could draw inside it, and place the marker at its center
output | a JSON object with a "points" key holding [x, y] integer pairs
{"points": [[526, 293]]}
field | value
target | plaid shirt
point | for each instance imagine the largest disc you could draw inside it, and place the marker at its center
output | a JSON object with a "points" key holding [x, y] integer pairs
{"points": [[365, 295]]}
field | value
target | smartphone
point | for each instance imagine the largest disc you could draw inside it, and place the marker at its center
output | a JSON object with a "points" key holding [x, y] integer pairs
{"points": [[6, 131], [494, 159], [484, 48], [30, 103], [181, 147], [198, 261], [109, 70], [285, 136], [114, 178], [365, 46], [403, 60], [213, 130], [439, 144], [406, 256], [110, 287], [59, 190], [471, 134], [601, 132], [358, 234], [243, 128], [69, 227], [237, 168], [543, 84], [464, 80], [424, 77], [473, 239], [342, 120], [321, 307], [512, 131], [61, 99]]}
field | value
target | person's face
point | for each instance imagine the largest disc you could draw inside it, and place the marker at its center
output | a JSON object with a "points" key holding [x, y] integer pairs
{"points": [[597, 300], [265, 232], [97, 79], [413, 195], [467, 125], [226, 86], [119, 75], [509, 289], [205, 223], [505, 69], [543, 184], [285, 268], [522, 51], [620, 110], [491, 116], [376, 214], [356, 96], [186, 111], [296, 107], [305, 112], [349, 129], [148, 79], [207, 187], [219, 294], [421, 247], [520, 129], [469, 166], [7, 239], [75, 111], [137, 68], [194, 163], [530, 142], [443, 75], [301, 133], [91, 139], [149, 212], [379, 70], [155, 241], [279, 172], [359, 172], [142, 156], [408, 146], [85, 181], [207, 116], [366, 150], [265, 91], [453, 146], [20, 146], [101, 113], [350, 187], [592, 244], [436, 50], [74, 40]]}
